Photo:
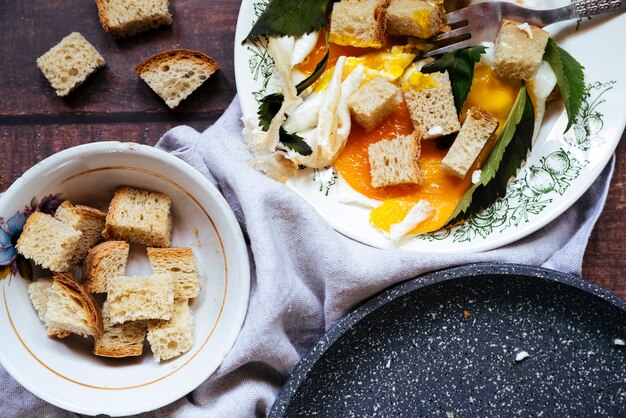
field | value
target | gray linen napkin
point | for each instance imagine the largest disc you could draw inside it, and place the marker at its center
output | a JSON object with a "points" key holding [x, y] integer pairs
{"points": [[305, 276]]}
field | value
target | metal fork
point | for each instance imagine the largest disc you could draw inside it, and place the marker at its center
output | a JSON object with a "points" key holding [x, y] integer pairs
{"points": [[480, 22]]}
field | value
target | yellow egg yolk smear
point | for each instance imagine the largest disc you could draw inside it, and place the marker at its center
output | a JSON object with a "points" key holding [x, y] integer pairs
{"points": [[307, 66], [491, 93]]}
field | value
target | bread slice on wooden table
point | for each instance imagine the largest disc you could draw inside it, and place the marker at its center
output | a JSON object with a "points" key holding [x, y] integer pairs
{"points": [[395, 161], [139, 216], [373, 102], [134, 298], [103, 261], [122, 18], [417, 18], [48, 242], [68, 64], [122, 340], [359, 23], [38, 293], [475, 135], [169, 339], [87, 220], [519, 49], [431, 104], [174, 75], [71, 307], [181, 265]]}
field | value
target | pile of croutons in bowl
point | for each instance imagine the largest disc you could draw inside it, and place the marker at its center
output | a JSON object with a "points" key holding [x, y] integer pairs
{"points": [[119, 311]]}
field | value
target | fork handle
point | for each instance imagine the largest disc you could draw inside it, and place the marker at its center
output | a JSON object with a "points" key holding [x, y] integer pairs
{"points": [[580, 9], [586, 8]]}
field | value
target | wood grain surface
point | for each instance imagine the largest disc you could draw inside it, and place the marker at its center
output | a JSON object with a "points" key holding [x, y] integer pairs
{"points": [[115, 104]]}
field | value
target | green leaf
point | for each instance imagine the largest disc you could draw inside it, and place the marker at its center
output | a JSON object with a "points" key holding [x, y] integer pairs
{"points": [[507, 156], [570, 77], [291, 18], [294, 142], [270, 104], [460, 67], [269, 107]]}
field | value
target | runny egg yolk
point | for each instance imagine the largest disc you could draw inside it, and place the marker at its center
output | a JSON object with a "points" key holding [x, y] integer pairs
{"points": [[488, 92], [491, 93]]}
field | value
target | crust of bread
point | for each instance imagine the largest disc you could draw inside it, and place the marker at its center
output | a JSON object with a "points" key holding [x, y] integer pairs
{"points": [[118, 352], [94, 260], [77, 291], [121, 32], [89, 212], [177, 54]]}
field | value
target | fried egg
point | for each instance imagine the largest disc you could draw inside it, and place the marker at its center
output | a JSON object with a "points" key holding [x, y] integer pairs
{"points": [[493, 94]]}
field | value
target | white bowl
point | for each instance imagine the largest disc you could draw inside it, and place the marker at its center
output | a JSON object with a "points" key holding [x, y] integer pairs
{"points": [[65, 372]]}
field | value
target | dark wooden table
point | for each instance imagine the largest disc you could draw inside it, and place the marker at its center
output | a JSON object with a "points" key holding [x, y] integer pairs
{"points": [[116, 105]]}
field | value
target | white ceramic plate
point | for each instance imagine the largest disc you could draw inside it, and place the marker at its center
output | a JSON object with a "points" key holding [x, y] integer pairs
{"points": [[64, 372], [560, 167]]}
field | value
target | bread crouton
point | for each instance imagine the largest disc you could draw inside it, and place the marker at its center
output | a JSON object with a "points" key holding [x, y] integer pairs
{"points": [[172, 338], [121, 340], [123, 18], [38, 293], [181, 265], [395, 161], [475, 135], [48, 242], [87, 220], [68, 64], [71, 307], [373, 103], [103, 261], [359, 23], [519, 49], [140, 297], [417, 18], [139, 216], [174, 75], [431, 105]]}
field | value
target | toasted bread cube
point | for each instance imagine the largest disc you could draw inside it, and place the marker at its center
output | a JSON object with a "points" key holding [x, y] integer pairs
{"points": [[169, 339], [38, 293], [48, 242], [474, 138], [431, 104], [140, 297], [139, 216], [121, 340], [71, 308], [359, 23], [181, 265], [417, 18], [68, 64], [373, 103], [395, 161], [87, 220], [103, 261], [123, 18], [175, 74], [519, 50]]}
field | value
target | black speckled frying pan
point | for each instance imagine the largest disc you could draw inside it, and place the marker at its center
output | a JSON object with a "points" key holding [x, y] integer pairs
{"points": [[474, 341]]}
